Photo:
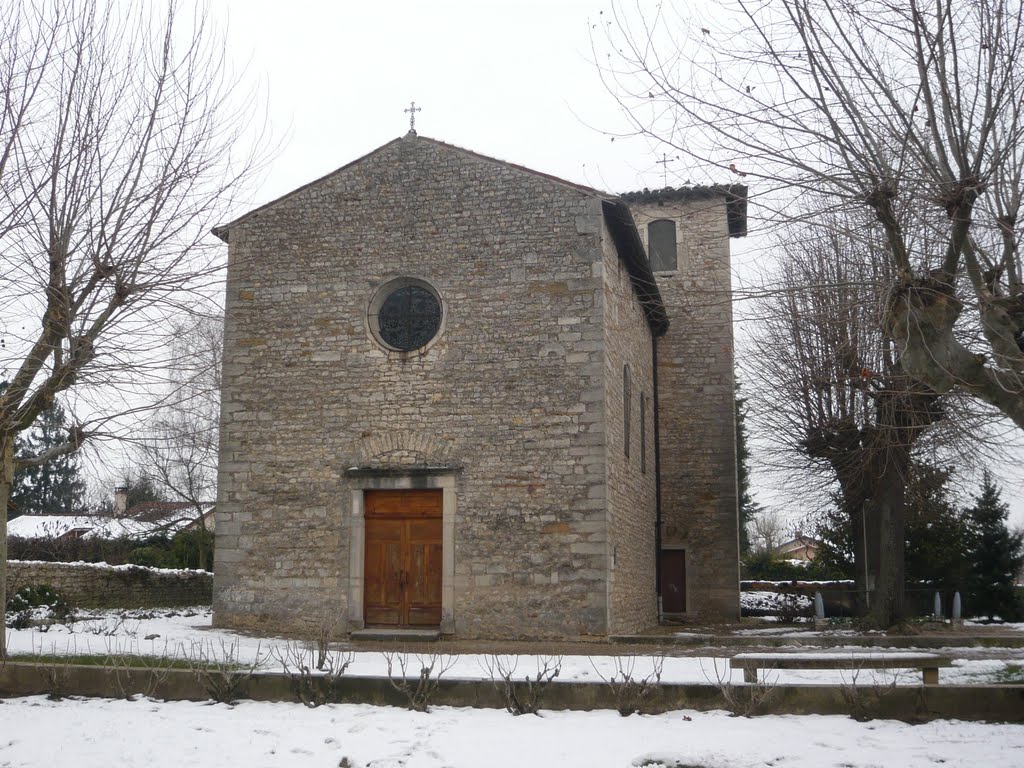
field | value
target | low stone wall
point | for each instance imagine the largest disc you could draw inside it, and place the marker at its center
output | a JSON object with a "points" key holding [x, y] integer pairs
{"points": [[839, 596], [98, 585], [990, 703]]}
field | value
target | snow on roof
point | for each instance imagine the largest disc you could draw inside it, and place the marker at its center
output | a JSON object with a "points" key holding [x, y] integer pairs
{"points": [[98, 526], [167, 511]]}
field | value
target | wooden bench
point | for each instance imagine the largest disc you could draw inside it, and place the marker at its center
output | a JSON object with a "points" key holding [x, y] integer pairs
{"points": [[928, 663]]}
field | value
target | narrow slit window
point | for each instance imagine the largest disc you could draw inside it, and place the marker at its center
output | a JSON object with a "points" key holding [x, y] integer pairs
{"points": [[626, 397], [661, 245], [643, 433]]}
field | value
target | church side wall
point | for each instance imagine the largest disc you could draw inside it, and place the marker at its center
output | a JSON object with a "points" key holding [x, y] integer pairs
{"points": [[696, 381], [510, 395], [632, 597]]}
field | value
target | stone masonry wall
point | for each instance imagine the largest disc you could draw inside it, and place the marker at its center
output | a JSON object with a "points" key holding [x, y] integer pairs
{"points": [[98, 585], [510, 394], [633, 602], [696, 381]]}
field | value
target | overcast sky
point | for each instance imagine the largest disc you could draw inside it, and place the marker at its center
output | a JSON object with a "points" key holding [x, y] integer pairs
{"points": [[516, 81], [511, 80]]}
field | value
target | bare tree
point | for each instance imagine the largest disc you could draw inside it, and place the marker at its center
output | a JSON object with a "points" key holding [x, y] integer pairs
{"points": [[912, 111], [833, 396], [119, 136], [180, 451], [766, 531]]}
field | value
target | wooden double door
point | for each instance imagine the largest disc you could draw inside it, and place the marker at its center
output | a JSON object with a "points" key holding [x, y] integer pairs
{"points": [[403, 558]]}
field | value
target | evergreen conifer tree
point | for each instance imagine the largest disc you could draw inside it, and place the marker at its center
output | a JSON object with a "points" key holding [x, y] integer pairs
{"points": [[53, 488], [996, 556], [747, 506], [937, 532], [139, 488]]}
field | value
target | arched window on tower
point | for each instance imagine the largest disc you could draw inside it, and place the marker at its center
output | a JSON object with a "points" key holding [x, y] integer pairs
{"points": [[661, 245]]}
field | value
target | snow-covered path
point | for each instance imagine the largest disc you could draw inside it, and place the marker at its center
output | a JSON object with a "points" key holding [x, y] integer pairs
{"points": [[179, 632], [102, 733]]}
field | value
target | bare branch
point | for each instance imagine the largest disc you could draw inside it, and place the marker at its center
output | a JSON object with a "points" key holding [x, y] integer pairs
{"points": [[123, 135], [914, 111]]}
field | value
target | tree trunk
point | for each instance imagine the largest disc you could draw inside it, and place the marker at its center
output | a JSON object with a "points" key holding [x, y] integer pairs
{"points": [[6, 479], [885, 523], [872, 478]]}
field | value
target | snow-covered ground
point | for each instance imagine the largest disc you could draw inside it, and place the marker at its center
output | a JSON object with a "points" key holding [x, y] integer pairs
{"points": [[759, 602], [103, 732], [187, 632]]}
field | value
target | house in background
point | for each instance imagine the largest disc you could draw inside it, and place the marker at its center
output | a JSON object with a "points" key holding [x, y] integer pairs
{"points": [[144, 520], [799, 548], [170, 516], [458, 395]]}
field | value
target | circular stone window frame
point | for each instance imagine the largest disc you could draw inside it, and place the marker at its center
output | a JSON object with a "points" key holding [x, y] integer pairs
{"points": [[384, 290]]}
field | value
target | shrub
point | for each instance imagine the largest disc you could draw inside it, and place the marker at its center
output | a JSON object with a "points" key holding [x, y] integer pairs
{"points": [[35, 596], [188, 549], [152, 556], [193, 549], [26, 603], [524, 696], [763, 566]]}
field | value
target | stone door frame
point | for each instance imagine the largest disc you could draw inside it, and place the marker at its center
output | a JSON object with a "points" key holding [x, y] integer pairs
{"points": [[398, 480]]}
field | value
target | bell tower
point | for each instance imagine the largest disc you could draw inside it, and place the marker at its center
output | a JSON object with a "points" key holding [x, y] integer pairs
{"points": [[687, 234]]}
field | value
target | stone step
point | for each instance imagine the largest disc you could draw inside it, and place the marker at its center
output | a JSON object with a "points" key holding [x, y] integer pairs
{"points": [[391, 634]]}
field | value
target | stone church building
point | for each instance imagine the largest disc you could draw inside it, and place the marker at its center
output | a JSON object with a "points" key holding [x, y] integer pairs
{"points": [[465, 396]]}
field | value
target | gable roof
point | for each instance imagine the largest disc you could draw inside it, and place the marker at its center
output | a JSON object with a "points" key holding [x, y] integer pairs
{"points": [[166, 512], [145, 520], [222, 231], [616, 214], [798, 541]]}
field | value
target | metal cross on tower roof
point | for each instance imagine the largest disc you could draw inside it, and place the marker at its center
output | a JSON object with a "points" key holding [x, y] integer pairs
{"points": [[665, 160], [412, 109]]}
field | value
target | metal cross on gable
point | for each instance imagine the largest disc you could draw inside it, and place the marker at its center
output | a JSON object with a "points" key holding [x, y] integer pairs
{"points": [[665, 160], [412, 109]]}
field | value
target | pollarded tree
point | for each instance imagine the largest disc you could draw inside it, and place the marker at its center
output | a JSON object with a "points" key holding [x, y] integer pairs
{"points": [[833, 404], [996, 556], [121, 138], [912, 112]]}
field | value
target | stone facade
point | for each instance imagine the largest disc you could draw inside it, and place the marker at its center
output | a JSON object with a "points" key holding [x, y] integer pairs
{"points": [[697, 424], [514, 410], [98, 585], [631, 483]]}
